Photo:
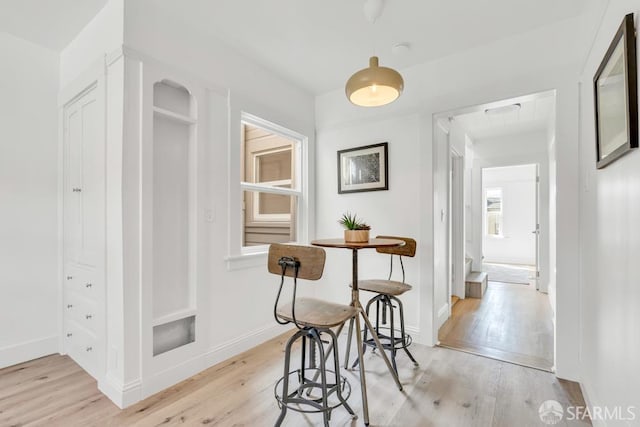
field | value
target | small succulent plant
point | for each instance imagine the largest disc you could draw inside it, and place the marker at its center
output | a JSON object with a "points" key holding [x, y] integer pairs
{"points": [[351, 222]]}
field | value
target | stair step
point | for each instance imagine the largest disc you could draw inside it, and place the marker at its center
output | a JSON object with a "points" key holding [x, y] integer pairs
{"points": [[476, 284]]}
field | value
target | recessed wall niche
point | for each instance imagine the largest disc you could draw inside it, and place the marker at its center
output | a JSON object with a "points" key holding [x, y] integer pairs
{"points": [[173, 212]]}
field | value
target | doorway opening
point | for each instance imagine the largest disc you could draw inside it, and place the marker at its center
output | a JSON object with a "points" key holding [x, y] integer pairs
{"points": [[510, 245], [494, 224]]}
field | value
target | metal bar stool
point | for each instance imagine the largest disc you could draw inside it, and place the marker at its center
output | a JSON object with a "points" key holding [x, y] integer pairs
{"points": [[299, 389], [386, 301]]}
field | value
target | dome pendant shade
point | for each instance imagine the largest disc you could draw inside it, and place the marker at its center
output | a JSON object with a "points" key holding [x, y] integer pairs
{"points": [[374, 86]]}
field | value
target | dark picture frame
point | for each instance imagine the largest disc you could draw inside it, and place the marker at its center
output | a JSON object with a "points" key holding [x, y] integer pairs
{"points": [[363, 168], [615, 91]]}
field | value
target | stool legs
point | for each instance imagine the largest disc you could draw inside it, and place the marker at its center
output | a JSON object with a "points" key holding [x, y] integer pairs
{"points": [[385, 303], [336, 363], [406, 350], [346, 356], [312, 336]]}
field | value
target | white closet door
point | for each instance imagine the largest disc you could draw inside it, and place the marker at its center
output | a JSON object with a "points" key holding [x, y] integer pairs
{"points": [[84, 181]]}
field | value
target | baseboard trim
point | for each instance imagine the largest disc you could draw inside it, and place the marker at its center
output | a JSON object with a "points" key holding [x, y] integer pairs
{"points": [[28, 350], [242, 343], [414, 331], [122, 395], [443, 314], [590, 400], [128, 394]]}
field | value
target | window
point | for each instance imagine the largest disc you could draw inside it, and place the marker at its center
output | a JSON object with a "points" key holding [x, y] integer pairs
{"points": [[494, 212], [270, 182]]}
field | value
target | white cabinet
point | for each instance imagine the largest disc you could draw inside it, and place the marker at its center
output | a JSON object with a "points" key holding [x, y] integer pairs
{"points": [[84, 229]]}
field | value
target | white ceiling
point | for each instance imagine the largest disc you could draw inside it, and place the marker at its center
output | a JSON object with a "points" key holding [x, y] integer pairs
{"points": [[317, 44], [537, 113], [49, 23]]}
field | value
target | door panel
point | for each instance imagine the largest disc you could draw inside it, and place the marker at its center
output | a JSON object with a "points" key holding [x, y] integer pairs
{"points": [[83, 181]]}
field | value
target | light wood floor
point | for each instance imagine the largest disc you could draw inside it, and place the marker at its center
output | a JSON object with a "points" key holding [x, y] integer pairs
{"points": [[450, 388], [511, 322]]}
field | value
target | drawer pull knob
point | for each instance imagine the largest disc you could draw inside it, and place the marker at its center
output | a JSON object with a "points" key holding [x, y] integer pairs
{"points": [[69, 335], [89, 349], [77, 190], [88, 316], [88, 285], [69, 277], [69, 305]]}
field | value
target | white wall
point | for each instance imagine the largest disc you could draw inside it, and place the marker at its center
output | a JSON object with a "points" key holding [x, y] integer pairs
{"points": [[517, 244], [28, 200], [103, 34], [392, 212], [610, 245], [528, 63], [240, 292]]}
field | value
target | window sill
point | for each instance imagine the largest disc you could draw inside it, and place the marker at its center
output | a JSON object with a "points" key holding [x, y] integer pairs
{"points": [[250, 260]]}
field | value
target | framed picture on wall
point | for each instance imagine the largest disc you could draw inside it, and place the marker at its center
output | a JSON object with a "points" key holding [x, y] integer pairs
{"points": [[363, 168], [615, 95]]}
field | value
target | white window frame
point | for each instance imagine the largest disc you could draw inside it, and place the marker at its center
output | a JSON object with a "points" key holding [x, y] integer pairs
{"points": [[486, 213], [256, 215], [251, 256]]}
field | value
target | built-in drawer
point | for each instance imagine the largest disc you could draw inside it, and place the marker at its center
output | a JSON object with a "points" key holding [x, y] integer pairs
{"points": [[83, 280], [81, 310], [82, 346]]}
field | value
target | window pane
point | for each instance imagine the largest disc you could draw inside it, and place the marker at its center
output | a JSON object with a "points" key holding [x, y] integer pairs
{"points": [[494, 211], [268, 218], [273, 166], [494, 200], [493, 224], [267, 158], [271, 204]]}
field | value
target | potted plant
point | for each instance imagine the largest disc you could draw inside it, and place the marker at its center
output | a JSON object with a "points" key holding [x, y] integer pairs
{"points": [[356, 231]]}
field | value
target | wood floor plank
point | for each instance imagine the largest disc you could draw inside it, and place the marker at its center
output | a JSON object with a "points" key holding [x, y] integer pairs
{"points": [[523, 390], [511, 322], [449, 388], [457, 387]]}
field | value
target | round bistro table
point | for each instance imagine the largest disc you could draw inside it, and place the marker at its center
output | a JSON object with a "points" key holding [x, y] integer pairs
{"points": [[355, 302]]}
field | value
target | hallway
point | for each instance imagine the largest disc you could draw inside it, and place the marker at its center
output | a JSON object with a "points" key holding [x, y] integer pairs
{"points": [[511, 323]]}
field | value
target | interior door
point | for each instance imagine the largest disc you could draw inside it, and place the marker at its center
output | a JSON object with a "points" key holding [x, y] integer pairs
{"points": [[451, 244], [83, 182], [536, 231]]}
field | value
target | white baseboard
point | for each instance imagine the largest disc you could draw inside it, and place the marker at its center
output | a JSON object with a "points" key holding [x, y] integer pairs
{"points": [[224, 351], [414, 331], [122, 395], [590, 400], [243, 343], [443, 314], [29, 350]]}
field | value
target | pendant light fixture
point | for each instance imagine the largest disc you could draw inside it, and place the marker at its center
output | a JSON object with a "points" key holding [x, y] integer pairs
{"points": [[374, 86]]}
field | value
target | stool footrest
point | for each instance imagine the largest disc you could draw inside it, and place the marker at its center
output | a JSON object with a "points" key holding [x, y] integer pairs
{"points": [[300, 400], [385, 339]]}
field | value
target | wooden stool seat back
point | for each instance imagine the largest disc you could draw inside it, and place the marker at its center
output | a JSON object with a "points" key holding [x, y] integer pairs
{"points": [[311, 260], [408, 249]]}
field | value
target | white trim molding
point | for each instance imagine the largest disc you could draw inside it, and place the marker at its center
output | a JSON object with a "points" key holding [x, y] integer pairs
{"points": [[28, 350], [122, 395]]}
